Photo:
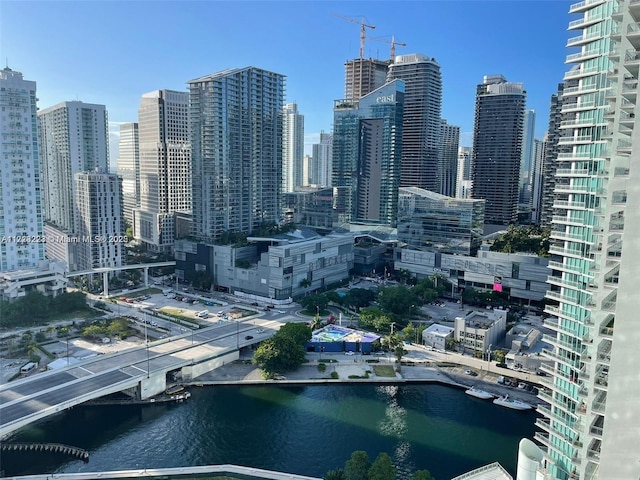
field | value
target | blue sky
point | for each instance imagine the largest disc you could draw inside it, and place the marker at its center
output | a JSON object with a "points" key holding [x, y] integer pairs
{"points": [[111, 52]]}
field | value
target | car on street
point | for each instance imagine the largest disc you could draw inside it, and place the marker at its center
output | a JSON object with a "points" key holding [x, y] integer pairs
{"points": [[501, 365], [248, 337], [260, 330], [349, 353], [470, 372]]}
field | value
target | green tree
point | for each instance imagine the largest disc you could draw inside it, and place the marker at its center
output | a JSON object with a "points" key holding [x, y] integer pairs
{"points": [[382, 468], [279, 354], [398, 301], [94, 331], [129, 233], [358, 298], [337, 474], [357, 467], [298, 332], [333, 297], [422, 475], [310, 302]]}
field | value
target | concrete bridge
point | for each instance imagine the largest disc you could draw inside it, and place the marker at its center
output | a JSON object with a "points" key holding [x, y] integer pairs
{"points": [[204, 471], [105, 271], [140, 372]]}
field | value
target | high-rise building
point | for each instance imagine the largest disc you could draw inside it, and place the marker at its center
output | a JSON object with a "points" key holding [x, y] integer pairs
{"points": [[367, 143], [449, 161], [292, 148], [20, 186], [553, 148], [497, 149], [99, 225], [73, 139], [526, 164], [421, 129], [129, 169], [236, 134], [536, 179], [463, 182], [591, 417], [165, 167], [362, 76], [321, 161]]}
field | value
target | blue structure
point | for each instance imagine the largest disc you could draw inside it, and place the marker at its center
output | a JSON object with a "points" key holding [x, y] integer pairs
{"points": [[335, 339]]}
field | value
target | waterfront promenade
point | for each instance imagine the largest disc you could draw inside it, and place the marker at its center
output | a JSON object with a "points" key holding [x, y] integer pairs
{"points": [[449, 371]]}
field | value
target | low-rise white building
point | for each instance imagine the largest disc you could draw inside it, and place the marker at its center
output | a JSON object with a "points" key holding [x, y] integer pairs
{"points": [[436, 336], [479, 331], [49, 278]]}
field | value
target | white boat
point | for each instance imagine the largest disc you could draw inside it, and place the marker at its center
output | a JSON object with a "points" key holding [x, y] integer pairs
{"points": [[505, 401], [474, 392]]}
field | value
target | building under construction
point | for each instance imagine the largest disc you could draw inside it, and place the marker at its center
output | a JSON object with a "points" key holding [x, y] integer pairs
{"points": [[362, 76]]}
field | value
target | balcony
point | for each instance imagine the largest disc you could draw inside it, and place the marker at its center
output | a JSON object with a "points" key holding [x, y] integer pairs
{"points": [[584, 5], [577, 106], [573, 172], [582, 56], [567, 220], [582, 90], [580, 72], [632, 61], [562, 267], [577, 139], [582, 39], [585, 22], [574, 157], [563, 282], [566, 252]]}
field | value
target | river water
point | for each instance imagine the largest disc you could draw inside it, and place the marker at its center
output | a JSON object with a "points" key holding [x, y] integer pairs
{"points": [[307, 430]]}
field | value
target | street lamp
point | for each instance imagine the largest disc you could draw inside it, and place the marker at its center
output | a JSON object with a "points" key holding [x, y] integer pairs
{"points": [[393, 324]]}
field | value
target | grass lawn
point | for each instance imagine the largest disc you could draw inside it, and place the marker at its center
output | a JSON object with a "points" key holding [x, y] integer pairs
{"points": [[146, 291], [384, 371], [175, 313]]}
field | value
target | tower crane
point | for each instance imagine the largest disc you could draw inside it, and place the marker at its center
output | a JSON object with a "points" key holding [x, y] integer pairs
{"points": [[392, 42], [363, 27]]}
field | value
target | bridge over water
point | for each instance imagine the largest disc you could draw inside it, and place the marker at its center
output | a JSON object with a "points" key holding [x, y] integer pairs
{"points": [[140, 372]]}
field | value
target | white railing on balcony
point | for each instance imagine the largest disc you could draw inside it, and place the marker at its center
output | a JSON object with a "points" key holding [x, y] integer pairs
{"points": [[580, 71]]}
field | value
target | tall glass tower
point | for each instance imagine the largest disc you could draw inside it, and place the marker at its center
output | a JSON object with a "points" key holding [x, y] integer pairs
{"points": [[367, 143], [590, 424], [421, 128], [235, 121]]}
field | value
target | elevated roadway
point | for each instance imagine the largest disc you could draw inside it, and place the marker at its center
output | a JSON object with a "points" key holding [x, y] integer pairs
{"points": [[140, 372]]}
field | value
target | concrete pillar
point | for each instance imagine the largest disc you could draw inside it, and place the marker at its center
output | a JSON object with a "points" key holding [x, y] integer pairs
{"points": [[105, 283], [146, 276]]}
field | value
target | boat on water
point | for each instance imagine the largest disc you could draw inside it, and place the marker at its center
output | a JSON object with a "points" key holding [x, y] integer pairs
{"points": [[505, 401], [174, 389], [475, 392]]}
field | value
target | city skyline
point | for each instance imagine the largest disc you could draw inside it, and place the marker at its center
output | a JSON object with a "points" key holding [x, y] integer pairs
{"points": [[311, 51]]}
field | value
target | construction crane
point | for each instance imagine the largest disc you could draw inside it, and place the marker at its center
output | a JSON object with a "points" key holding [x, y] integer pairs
{"points": [[363, 27], [392, 42]]}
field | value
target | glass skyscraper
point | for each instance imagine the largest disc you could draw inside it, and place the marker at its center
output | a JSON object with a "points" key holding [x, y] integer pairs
{"points": [[235, 121], [367, 144], [591, 417]]}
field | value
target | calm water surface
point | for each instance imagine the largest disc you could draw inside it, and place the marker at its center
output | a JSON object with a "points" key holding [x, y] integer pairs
{"points": [[306, 430]]}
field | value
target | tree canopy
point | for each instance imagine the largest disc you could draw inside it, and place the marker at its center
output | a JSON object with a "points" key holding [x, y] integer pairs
{"points": [[310, 302], [284, 351], [357, 467], [37, 309], [525, 238]]}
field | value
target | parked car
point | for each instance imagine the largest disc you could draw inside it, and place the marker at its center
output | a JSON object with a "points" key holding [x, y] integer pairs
{"points": [[470, 372], [501, 365], [349, 353]]}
